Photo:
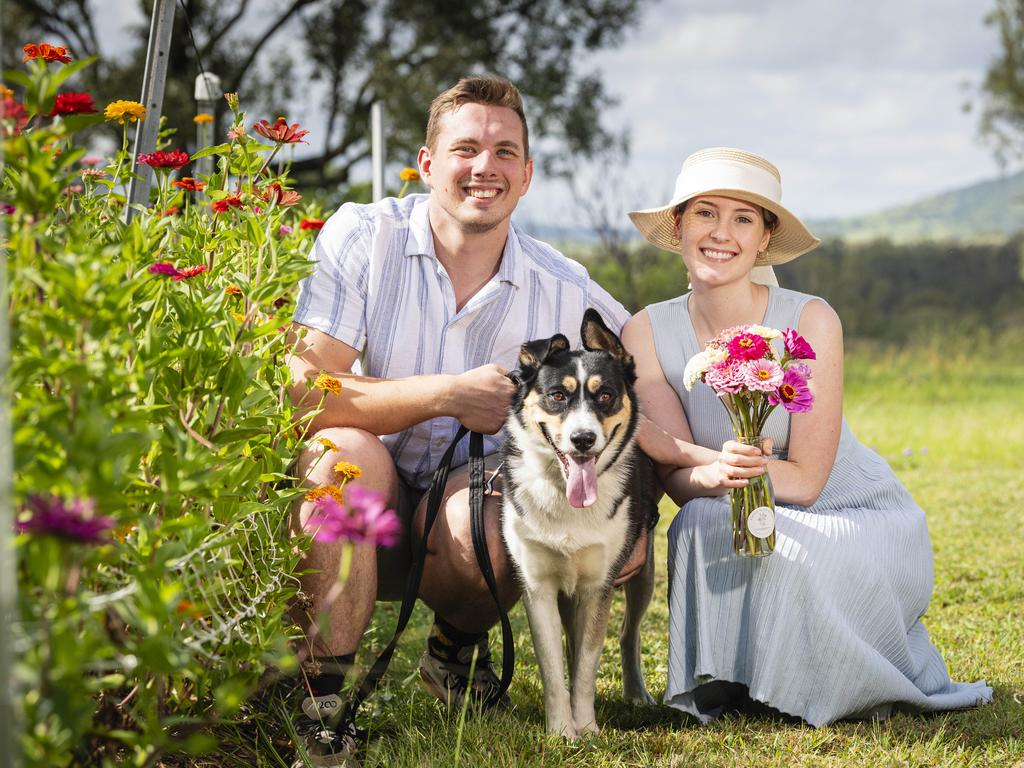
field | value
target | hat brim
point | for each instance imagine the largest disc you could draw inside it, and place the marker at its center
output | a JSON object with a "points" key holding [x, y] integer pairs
{"points": [[789, 239]]}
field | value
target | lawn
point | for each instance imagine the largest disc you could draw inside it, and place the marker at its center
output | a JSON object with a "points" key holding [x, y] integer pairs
{"points": [[952, 426]]}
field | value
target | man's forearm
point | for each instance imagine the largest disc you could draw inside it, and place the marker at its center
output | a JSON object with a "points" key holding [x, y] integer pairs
{"points": [[379, 406]]}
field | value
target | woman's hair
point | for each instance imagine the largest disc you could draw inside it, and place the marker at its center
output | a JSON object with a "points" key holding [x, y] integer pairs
{"points": [[771, 221], [491, 91]]}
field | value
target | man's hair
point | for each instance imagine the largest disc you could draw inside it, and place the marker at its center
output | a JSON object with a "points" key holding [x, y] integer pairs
{"points": [[489, 90]]}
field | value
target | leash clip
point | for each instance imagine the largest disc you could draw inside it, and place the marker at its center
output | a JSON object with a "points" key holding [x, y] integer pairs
{"points": [[489, 480]]}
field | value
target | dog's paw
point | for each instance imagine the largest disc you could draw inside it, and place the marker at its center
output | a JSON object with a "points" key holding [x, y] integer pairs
{"points": [[640, 697], [565, 729]]}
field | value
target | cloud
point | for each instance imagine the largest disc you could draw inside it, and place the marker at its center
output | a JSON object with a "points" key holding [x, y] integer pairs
{"points": [[859, 104]]}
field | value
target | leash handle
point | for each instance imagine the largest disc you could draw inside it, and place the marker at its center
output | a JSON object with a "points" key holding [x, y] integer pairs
{"points": [[483, 559], [435, 495]]}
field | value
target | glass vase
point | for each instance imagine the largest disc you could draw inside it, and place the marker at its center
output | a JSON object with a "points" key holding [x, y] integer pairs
{"points": [[753, 513]]}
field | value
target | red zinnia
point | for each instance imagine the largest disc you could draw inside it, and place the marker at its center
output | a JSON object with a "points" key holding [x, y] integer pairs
{"points": [[13, 117], [72, 103], [747, 346], [311, 224], [189, 184], [275, 193], [188, 272], [172, 211], [226, 204], [46, 52], [280, 131], [175, 159]]}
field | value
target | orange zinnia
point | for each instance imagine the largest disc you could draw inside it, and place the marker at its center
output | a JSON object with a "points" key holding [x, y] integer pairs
{"points": [[189, 184], [280, 131], [46, 52], [275, 193]]}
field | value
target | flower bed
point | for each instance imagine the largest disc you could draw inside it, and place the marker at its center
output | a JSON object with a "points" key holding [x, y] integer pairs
{"points": [[151, 424]]}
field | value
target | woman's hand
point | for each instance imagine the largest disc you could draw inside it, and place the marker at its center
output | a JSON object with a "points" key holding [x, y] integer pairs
{"points": [[733, 468]]}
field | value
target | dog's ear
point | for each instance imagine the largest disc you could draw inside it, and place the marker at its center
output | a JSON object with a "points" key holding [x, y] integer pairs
{"points": [[533, 353], [598, 336]]}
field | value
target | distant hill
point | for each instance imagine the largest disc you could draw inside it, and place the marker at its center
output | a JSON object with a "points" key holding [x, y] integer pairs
{"points": [[988, 211]]}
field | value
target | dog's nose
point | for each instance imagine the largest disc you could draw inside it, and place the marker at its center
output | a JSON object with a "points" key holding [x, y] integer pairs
{"points": [[583, 439]]}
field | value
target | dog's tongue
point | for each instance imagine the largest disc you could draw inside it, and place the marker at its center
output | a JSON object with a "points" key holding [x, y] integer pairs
{"points": [[581, 484]]}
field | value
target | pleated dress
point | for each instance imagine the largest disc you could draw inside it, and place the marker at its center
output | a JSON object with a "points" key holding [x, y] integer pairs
{"points": [[829, 625]]}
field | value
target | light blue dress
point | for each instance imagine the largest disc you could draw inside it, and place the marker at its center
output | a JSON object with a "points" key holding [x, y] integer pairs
{"points": [[828, 626]]}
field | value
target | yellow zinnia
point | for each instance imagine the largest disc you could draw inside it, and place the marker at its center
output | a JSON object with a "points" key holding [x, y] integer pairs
{"points": [[347, 470], [327, 383], [202, 118], [327, 443], [409, 174], [125, 111]]}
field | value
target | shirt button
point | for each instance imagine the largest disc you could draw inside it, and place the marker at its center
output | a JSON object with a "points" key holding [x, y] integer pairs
{"points": [[439, 442]]}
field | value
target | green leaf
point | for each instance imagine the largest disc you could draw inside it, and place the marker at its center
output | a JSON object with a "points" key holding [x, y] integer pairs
{"points": [[216, 149]]}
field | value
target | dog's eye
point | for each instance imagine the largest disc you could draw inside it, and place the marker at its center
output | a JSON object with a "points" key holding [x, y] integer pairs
{"points": [[557, 395], [605, 396]]}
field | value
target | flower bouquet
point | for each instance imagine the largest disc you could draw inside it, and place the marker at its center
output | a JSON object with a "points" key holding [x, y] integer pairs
{"points": [[744, 370]]}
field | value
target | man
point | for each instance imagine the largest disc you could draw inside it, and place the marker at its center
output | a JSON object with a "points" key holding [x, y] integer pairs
{"points": [[419, 306]]}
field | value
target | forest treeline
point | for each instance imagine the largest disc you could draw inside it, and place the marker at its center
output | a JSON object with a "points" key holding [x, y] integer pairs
{"points": [[881, 290]]}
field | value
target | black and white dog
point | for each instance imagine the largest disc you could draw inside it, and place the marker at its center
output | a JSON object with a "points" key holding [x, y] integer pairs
{"points": [[577, 494]]}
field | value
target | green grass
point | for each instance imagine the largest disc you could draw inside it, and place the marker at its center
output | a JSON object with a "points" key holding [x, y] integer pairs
{"points": [[952, 426]]}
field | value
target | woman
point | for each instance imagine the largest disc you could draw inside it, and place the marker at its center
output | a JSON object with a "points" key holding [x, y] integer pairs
{"points": [[828, 626]]}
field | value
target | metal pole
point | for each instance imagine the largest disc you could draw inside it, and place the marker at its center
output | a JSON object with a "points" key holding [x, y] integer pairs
{"points": [[8, 587], [153, 79], [377, 148], [207, 92]]}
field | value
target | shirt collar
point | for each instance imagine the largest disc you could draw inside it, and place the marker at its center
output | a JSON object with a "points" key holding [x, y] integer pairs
{"points": [[421, 243]]}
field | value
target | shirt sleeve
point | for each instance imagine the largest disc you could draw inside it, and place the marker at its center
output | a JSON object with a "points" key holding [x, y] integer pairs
{"points": [[333, 297], [612, 312]]}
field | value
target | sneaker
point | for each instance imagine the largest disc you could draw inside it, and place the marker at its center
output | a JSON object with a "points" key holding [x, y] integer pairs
{"points": [[448, 680], [325, 742]]}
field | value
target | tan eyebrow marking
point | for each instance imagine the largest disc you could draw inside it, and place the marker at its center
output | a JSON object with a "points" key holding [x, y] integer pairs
{"points": [[594, 383], [570, 383]]}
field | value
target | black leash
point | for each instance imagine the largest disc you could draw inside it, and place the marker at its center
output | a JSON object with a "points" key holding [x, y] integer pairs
{"points": [[412, 585]]}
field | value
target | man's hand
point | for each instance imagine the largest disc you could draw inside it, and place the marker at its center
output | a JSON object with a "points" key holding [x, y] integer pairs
{"points": [[636, 561], [481, 397]]}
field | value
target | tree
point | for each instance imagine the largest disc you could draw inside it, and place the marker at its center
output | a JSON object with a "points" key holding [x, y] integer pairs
{"points": [[350, 53], [1002, 116]]}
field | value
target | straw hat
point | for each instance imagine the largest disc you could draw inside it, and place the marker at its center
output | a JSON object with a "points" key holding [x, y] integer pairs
{"points": [[730, 173]]}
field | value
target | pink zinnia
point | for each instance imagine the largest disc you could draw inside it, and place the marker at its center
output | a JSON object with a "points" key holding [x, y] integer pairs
{"points": [[761, 375], [725, 377], [797, 346], [364, 518], [747, 346], [164, 268], [793, 394]]}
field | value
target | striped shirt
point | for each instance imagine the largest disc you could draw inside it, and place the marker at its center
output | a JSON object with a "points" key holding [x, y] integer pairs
{"points": [[379, 288]]}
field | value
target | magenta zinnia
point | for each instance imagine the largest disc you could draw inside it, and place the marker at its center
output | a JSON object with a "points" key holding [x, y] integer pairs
{"points": [[363, 518], [797, 346], [74, 520], [793, 394], [747, 346], [175, 159]]}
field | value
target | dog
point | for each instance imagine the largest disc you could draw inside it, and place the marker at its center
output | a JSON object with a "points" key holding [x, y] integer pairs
{"points": [[578, 492]]}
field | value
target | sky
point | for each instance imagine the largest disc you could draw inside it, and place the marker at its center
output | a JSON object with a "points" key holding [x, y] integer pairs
{"points": [[860, 105]]}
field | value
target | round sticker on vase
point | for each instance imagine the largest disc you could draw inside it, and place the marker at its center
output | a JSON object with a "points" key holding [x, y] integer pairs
{"points": [[761, 522]]}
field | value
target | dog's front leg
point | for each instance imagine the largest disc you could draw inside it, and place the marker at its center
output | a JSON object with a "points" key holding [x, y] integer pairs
{"points": [[545, 627], [591, 626], [638, 596]]}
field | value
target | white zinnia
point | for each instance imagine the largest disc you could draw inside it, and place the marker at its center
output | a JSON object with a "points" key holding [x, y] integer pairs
{"points": [[699, 364], [764, 332]]}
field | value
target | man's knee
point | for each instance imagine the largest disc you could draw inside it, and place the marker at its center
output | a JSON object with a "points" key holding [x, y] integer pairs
{"points": [[356, 446]]}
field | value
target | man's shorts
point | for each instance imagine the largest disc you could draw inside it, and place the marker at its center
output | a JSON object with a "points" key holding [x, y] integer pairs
{"points": [[393, 563]]}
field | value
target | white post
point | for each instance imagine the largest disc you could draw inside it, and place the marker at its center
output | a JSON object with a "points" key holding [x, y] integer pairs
{"points": [[207, 92], [153, 79], [377, 148]]}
